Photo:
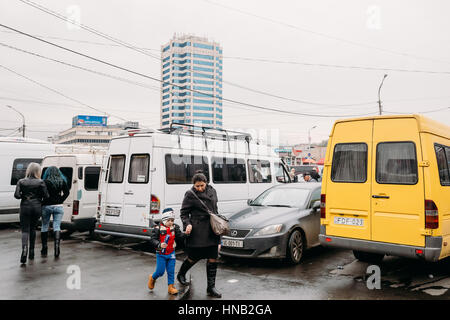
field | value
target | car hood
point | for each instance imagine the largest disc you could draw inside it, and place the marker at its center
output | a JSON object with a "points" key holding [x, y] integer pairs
{"points": [[254, 217]]}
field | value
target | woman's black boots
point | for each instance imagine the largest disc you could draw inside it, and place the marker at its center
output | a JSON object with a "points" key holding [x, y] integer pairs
{"points": [[211, 271], [23, 257], [44, 239], [57, 242], [181, 276], [31, 248]]}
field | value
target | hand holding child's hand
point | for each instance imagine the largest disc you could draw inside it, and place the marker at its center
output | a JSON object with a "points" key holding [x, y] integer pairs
{"points": [[188, 229], [163, 245]]}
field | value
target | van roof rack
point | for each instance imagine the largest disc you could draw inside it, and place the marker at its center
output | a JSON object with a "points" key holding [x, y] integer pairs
{"points": [[208, 132], [61, 149]]}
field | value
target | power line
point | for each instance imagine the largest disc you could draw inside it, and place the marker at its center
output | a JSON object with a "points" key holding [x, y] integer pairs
{"points": [[324, 35], [140, 50], [174, 85], [58, 92], [339, 66]]}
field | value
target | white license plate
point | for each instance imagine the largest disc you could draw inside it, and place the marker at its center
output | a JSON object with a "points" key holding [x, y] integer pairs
{"points": [[112, 212], [233, 243], [349, 221]]}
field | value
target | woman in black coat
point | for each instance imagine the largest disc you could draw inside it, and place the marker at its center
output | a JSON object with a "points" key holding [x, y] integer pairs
{"points": [[32, 191], [201, 241]]}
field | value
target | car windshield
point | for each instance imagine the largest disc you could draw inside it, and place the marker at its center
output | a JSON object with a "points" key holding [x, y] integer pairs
{"points": [[282, 197]]}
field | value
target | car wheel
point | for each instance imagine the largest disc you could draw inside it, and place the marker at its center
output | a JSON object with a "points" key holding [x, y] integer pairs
{"points": [[295, 247], [368, 256]]}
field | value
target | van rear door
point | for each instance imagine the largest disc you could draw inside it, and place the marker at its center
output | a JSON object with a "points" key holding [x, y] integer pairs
{"points": [[348, 192], [398, 183], [138, 190], [115, 180]]}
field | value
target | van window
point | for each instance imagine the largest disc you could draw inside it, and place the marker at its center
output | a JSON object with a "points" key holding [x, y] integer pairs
{"points": [[139, 168], [259, 171], [443, 162], [67, 173], [91, 177], [349, 163], [396, 163], [228, 170], [181, 168], [116, 169], [19, 168]]}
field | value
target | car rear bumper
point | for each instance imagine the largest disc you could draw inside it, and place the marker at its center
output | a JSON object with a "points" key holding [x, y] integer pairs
{"points": [[431, 251], [123, 231], [269, 247]]}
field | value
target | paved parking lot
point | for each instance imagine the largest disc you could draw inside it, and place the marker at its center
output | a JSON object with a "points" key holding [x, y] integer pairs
{"points": [[119, 270]]}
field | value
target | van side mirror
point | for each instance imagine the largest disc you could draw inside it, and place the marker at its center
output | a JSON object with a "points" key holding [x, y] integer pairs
{"points": [[316, 205], [249, 202]]}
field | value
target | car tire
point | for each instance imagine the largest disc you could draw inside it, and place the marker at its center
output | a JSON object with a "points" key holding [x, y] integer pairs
{"points": [[368, 256], [295, 247]]}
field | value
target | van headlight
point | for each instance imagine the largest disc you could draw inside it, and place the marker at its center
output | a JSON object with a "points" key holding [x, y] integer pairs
{"points": [[272, 229]]}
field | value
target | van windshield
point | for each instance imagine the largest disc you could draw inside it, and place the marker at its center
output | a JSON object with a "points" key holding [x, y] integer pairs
{"points": [[282, 197]]}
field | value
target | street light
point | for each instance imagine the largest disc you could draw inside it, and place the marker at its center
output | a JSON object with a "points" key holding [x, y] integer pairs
{"points": [[379, 98], [23, 120]]}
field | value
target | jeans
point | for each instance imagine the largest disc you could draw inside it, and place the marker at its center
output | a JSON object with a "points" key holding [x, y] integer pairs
{"points": [[165, 262], [57, 212]]}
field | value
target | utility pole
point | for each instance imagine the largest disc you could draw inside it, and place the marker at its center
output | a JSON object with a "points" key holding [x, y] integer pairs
{"points": [[379, 98], [23, 119], [309, 137]]}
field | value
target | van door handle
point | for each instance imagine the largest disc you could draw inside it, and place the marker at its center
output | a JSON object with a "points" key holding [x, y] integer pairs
{"points": [[129, 193], [380, 197]]}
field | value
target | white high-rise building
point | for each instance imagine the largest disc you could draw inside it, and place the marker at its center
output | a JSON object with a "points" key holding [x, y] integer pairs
{"points": [[190, 62]]}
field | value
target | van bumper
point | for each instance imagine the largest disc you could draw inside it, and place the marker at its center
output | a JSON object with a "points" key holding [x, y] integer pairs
{"points": [[431, 251], [123, 231]]}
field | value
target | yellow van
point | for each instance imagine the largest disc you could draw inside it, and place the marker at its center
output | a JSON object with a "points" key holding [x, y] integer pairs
{"points": [[386, 188]]}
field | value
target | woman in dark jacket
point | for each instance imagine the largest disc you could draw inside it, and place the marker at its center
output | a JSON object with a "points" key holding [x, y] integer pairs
{"points": [[32, 191], [201, 241], [58, 190]]}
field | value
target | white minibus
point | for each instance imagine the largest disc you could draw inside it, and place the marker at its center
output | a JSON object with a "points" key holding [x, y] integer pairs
{"points": [[148, 170]]}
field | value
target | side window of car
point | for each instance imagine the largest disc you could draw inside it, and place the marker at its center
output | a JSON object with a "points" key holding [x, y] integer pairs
{"points": [[315, 196]]}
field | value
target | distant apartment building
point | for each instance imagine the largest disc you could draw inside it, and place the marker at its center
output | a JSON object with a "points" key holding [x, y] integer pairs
{"points": [[91, 130], [191, 63]]}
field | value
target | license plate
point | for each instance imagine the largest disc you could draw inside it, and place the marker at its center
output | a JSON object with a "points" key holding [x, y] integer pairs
{"points": [[233, 243], [349, 221], [112, 212]]}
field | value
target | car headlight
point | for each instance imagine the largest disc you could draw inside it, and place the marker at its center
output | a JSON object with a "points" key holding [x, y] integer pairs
{"points": [[275, 228]]}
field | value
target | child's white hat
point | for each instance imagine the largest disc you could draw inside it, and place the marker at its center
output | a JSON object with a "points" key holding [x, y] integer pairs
{"points": [[167, 214]]}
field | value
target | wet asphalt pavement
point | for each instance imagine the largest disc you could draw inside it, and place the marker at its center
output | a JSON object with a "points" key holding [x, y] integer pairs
{"points": [[120, 269]]}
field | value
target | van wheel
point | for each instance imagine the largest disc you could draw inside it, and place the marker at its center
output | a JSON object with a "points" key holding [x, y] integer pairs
{"points": [[65, 234], [368, 256], [295, 247]]}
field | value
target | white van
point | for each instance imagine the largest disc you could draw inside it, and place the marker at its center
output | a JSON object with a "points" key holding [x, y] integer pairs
{"points": [[81, 165], [16, 153], [149, 170]]}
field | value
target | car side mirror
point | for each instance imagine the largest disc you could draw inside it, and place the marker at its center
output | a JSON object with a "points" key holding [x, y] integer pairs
{"points": [[316, 205], [249, 201]]}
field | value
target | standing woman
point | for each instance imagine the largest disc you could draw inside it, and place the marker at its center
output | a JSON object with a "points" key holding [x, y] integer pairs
{"points": [[31, 190], [58, 190], [201, 241]]}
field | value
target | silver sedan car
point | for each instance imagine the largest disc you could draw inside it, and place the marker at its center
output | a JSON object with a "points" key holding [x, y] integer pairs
{"points": [[281, 222]]}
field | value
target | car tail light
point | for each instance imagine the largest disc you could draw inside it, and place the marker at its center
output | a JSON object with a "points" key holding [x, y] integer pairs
{"points": [[322, 206], [431, 215], [154, 205], [75, 207]]}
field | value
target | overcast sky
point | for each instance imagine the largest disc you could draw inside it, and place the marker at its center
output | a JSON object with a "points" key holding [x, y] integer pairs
{"points": [[333, 36]]}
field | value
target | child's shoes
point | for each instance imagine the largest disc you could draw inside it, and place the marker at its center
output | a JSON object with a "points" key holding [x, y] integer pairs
{"points": [[151, 282], [172, 289]]}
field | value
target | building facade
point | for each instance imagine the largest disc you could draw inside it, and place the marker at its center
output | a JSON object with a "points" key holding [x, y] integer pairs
{"points": [[91, 130], [191, 63]]}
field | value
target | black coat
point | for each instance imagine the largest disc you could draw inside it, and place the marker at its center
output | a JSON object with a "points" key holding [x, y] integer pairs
{"points": [[57, 195], [32, 192], [194, 213]]}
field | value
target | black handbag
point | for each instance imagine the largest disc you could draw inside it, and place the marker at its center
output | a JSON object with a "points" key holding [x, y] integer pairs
{"points": [[219, 223]]}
